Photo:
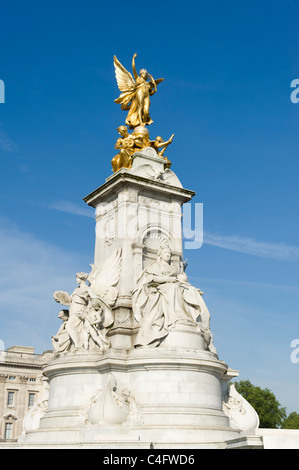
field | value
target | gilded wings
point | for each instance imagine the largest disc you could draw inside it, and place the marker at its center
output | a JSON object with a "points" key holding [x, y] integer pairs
{"points": [[125, 81]]}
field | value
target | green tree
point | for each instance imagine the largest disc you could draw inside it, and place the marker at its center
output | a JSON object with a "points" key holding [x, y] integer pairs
{"points": [[269, 410], [291, 422]]}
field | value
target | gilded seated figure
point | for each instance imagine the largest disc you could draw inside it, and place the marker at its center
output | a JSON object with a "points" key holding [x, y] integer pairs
{"points": [[125, 145], [128, 144]]}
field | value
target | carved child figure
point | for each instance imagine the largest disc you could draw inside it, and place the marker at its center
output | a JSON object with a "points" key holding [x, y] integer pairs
{"points": [[61, 342], [93, 326]]}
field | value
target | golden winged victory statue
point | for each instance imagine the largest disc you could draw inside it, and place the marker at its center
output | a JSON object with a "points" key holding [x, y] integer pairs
{"points": [[135, 93], [135, 98]]}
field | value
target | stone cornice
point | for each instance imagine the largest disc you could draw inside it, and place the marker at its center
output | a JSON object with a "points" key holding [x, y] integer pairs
{"points": [[21, 365], [123, 179], [138, 360]]}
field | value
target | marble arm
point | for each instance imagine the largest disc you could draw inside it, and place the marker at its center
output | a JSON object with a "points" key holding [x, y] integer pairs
{"points": [[160, 279]]}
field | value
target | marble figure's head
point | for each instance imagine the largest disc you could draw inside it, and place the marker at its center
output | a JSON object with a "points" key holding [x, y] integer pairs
{"points": [[63, 314], [80, 277], [95, 303], [165, 253]]}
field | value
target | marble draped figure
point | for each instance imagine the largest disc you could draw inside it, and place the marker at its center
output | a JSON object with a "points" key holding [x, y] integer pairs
{"points": [[85, 323], [163, 299]]}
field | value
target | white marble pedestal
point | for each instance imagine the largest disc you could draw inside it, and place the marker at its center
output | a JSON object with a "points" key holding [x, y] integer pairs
{"points": [[175, 400]]}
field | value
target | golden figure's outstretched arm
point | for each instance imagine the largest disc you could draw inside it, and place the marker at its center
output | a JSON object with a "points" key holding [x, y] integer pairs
{"points": [[153, 83], [134, 67], [165, 144], [119, 143]]}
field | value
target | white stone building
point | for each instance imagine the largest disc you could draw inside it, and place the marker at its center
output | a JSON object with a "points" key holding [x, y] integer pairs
{"points": [[21, 385]]}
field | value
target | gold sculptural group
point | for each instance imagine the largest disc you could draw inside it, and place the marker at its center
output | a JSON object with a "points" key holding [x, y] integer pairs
{"points": [[135, 98]]}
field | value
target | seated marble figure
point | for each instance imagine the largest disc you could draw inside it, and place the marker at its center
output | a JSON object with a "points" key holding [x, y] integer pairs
{"points": [[163, 299]]}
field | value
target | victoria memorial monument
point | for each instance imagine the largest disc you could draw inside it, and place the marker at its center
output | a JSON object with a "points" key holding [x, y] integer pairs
{"points": [[135, 364]]}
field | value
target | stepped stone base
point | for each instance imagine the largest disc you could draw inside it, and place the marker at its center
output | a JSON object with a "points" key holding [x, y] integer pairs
{"points": [[135, 399]]}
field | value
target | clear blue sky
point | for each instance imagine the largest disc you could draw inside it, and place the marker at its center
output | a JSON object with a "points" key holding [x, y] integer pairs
{"points": [[226, 97]]}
